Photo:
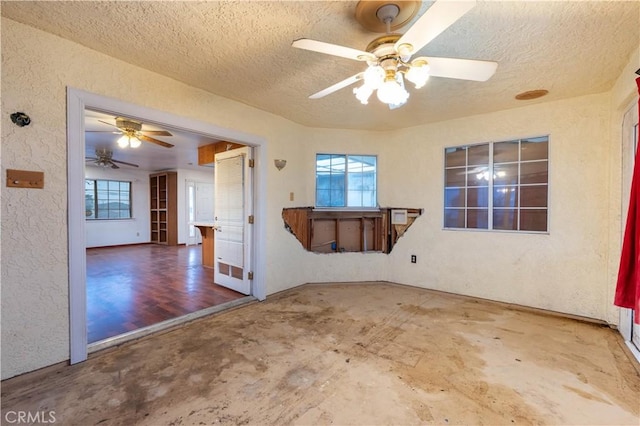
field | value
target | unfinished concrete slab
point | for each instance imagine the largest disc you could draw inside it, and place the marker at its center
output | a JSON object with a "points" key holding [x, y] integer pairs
{"points": [[368, 353]]}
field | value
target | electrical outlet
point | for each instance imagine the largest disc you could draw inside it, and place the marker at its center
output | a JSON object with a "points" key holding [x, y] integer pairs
{"points": [[414, 259]]}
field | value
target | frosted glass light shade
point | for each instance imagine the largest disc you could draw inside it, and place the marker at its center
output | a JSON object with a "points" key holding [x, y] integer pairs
{"points": [[374, 77], [390, 92], [418, 74], [363, 93], [134, 142], [126, 140], [123, 142]]}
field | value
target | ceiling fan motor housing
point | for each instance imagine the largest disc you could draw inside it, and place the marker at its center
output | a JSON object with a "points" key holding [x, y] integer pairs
{"points": [[104, 153], [384, 50], [129, 125]]}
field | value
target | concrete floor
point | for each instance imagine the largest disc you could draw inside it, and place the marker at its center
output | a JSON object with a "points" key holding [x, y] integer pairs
{"points": [[370, 353]]}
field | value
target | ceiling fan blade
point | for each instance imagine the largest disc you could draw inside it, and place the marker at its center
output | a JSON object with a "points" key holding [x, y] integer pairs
{"points": [[125, 163], [156, 132], [156, 141], [109, 124], [91, 158], [114, 166], [464, 69], [344, 83], [333, 49], [148, 132], [440, 16]]}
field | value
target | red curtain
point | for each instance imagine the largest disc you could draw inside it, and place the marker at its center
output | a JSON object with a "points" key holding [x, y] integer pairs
{"points": [[628, 287]]}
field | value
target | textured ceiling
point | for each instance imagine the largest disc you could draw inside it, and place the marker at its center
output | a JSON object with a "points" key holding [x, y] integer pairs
{"points": [[242, 50]]}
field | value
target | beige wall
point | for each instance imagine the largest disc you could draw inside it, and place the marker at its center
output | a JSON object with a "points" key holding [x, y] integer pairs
{"points": [[567, 270], [623, 94], [564, 270], [36, 69]]}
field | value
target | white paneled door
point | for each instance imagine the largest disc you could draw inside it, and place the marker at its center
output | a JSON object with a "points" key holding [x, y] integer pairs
{"points": [[232, 208]]}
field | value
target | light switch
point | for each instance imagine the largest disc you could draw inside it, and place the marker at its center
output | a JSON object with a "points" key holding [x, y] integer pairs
{"points": [[291, 196]]}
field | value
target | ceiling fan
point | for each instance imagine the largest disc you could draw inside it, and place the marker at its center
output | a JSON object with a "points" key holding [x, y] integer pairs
{"points": [[132, 133], [104, 158], [389, 56]]}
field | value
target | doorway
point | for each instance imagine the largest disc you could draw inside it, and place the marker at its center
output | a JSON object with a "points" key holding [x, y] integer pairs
{"points": [[630, 131], [77, 102], [193, 236], [139, 270], [200, 204], [233, 219]]}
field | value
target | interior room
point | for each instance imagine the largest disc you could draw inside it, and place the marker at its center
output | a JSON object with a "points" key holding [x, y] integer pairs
{"points": [[421, 205], [139, 272]]}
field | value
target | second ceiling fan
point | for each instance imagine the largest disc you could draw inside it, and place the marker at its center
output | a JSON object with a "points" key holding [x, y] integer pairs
{"points": [[104, 158], [132, 133], [389, 57]]}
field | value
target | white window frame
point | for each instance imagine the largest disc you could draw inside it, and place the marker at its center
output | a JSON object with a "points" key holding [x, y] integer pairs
{"points": [[346, 184]]}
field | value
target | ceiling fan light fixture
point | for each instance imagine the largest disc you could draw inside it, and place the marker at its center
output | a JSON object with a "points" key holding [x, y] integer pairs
{"points": [[134, 142], [129, 140], [123, 142], [418, 73], [363, 93], [374, 76], [404, 49], [391, 91], [389, 56]]}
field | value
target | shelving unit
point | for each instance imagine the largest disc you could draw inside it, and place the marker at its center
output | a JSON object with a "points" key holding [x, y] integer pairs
{"points": [[164, 224]]}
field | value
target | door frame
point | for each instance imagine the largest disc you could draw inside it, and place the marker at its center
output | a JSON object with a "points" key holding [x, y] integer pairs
{"points": [[77, 101]]}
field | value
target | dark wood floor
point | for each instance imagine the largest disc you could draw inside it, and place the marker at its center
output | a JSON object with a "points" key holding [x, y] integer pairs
{"points": [[131, 287]]}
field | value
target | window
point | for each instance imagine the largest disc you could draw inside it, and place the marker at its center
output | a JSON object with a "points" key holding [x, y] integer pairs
{"points": [[107, 199], [497, 185], [346, 180]]}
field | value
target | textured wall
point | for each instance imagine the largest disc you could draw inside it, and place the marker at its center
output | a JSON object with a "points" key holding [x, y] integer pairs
{"points": [[565, 270], [35, 318], [623, 95], [36, 69]]}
